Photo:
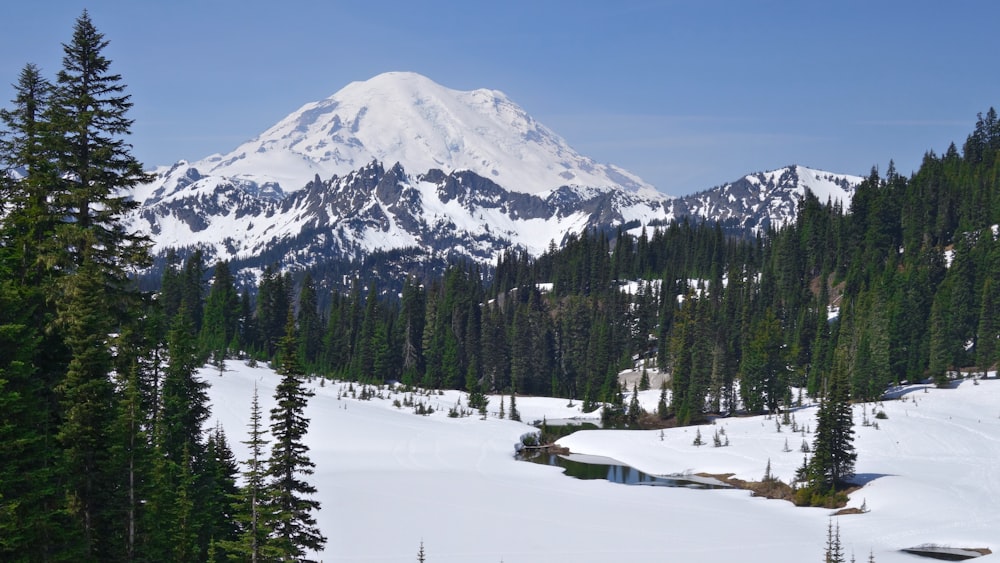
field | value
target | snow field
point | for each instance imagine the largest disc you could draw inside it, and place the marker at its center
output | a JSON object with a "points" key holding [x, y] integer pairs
{"points": [[389, 479]]}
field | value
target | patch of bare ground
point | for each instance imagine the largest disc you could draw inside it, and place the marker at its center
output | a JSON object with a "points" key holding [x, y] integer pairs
{"points": [[777, 489], [770, 488], [550, 448]]}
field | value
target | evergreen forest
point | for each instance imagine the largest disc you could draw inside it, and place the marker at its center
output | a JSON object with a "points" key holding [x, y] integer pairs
{"points": [[102, 419]]}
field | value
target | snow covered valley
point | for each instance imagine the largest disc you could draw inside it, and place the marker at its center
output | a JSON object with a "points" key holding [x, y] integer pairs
{"points": [[389, 479]]}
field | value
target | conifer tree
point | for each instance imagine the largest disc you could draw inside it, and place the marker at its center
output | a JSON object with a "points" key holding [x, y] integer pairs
{"points": [[252, 511], [87, 122], [28, 220], [218, 490], [309, 323], [832, 463], [634, 408], [31, 354], [220, 323], [834, 549], [294, 526], [87, 395], [131, 453], [661, 406], [514, 414], [762, 382], [31, 499], [988, 329], [184, 396]]}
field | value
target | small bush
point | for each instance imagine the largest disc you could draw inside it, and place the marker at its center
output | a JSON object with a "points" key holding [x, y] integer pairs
{"points": [[810, 496]]}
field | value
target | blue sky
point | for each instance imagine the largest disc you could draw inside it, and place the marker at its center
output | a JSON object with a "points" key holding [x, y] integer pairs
{"points": [[686, 94]]}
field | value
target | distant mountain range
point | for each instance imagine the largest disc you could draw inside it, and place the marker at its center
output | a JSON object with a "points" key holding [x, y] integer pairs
{"points": [[398, 165]]}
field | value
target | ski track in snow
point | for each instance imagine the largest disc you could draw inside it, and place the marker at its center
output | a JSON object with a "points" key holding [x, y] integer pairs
{"points": [[389, 479]]}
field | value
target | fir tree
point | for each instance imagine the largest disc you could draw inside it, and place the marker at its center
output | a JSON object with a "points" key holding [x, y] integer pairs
{"points": [[634, 409], [294, 526], [661, 406], [834, 549], [87, 115], [220, 322], [87, 396], [309, 323], [132, 454], [217, 485], [514, 414], [252, 511], [832, 463], [31, 511], [184, 395], [95, 254]]}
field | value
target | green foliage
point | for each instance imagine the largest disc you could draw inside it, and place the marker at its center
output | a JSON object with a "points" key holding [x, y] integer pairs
{"points": [[762, 375], [832, 463], [294, 527]]}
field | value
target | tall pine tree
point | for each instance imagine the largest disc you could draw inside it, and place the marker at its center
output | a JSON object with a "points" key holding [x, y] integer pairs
{"points": [[294, 526]]}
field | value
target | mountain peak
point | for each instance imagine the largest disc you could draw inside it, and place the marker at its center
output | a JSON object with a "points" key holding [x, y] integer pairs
{"points": [[407, 118]]}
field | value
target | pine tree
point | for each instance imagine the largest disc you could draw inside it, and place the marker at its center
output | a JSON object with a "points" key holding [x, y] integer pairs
{"points": [[184, 395], [92, 173], [988, 329], [183, 534], [87, 398], [762, 382], [294, 526], [661, 406], [28, 221], [87, 115], [131, 453], [634, 409], [310, 326], [252, 512], [514, 414], [834, 549], [218, 490], [220, 323], [832, 463]]}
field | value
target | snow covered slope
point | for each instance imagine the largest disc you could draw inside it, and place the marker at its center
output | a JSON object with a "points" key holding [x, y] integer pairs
{"points": [[768, 199], [405, 118], [438, 215], [389, 479]]}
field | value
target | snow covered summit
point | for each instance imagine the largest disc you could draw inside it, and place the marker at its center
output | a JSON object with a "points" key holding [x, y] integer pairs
{"points": [[406, 118]]}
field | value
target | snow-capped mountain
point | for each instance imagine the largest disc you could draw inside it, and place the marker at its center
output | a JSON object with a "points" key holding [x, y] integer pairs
{"points": [[407, 118], [399, 164], [767, 199]]}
